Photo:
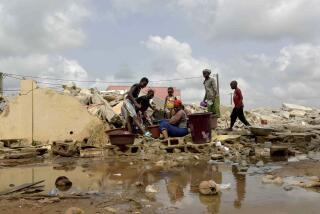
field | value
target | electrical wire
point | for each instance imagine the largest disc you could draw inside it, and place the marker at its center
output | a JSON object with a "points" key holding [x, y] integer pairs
{"points": [[18, 76]]}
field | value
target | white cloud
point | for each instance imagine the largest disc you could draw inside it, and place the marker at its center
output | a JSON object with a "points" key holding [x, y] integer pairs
{"points": [[178, 53], [33, 33], [39, 26], [45, 66], [290, 75], [239, 20]]}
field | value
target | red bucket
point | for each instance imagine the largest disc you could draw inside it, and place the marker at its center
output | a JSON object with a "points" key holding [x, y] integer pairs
{"points": [[200, 126], [155, 131]]}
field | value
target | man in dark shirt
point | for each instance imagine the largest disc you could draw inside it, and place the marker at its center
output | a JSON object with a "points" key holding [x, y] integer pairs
{"points": [[144, 102], [237, 111], [130, 105]]}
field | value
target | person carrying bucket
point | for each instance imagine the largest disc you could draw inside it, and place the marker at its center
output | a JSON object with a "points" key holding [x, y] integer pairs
{"points": [[211, 97]]}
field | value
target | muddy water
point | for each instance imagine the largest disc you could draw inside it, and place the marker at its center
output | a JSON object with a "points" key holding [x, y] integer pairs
{"points": [[177, 187]]}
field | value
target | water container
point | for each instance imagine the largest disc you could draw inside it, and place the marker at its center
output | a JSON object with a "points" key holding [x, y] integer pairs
{"points": [[200, 126]]}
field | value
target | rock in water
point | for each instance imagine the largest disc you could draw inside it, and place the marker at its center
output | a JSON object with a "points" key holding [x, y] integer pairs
{"points": [[209, 188]]}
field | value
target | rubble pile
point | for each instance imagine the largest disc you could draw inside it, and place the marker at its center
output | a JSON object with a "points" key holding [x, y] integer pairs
{"points": [[98, 103], [14, 152], [294, 129]]}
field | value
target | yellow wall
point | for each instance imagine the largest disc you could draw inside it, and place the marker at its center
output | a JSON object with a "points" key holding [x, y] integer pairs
{"points": [[54, 116]]}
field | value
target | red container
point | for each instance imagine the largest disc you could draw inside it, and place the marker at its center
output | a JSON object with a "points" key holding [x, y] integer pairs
{"points": [[125, 138], [264, 122], [116, 131], [155, 131], [200, 126]]}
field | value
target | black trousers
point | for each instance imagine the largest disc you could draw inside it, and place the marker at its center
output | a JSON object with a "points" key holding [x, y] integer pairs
{"points": [[238, 113]]}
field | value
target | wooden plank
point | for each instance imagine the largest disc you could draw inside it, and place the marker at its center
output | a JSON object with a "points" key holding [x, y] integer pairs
{"points": [[21, 187]]}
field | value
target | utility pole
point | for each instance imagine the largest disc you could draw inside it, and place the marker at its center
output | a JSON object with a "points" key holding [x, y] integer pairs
{"points": [[231, 100], [1, 83]]}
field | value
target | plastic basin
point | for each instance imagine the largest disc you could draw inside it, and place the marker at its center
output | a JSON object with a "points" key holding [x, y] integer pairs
{"points": [[155, 131], [116, 131], [123, 138], [200, 127]]}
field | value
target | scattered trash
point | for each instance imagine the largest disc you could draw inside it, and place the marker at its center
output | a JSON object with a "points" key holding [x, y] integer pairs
{"points": [[53, 192], [260, 164], [151, 189], [225, 186]]}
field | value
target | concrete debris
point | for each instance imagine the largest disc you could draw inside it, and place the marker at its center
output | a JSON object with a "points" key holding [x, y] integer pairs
{"points": [[291, 107], [91, 153], [74, 210], [209, 188], [271, 179], [151, 189], [65, 149], [3, 103], [99, 103], [111, 210]]}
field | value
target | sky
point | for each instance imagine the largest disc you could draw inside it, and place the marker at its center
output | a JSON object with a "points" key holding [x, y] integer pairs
{"points": [[271, 47]]}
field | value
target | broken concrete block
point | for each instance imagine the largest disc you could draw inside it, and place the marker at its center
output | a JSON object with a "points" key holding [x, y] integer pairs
{"points": [[271, 179], [92, 152], [65, 149], [297, 113], [38, 151], [279, 150], [285, 114], [20, 155], [217, 157], [291, 107], [172, 141]]}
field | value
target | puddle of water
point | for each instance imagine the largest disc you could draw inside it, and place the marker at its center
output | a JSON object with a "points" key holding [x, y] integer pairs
{"points": [[177, 187]]}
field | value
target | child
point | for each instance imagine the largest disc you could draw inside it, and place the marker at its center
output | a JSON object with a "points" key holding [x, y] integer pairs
{"points": [[237, 111], [169, 103]]}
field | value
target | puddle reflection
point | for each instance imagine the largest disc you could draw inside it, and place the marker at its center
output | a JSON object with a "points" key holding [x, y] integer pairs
{"points": [[178, 186]]}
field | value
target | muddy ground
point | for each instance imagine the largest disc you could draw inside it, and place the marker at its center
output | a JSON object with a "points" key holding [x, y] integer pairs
{"points": [[118, 186]]}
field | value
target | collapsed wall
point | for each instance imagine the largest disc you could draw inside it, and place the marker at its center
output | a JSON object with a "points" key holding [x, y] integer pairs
{"points": [[42, 114]]}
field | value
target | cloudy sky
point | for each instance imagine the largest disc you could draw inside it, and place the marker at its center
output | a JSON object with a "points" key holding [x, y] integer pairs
{"points": [[272, 47]]}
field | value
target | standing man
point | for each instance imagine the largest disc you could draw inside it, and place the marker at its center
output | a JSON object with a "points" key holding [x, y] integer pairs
{"points": [[130, 105], [237, 111], [211, 96]]}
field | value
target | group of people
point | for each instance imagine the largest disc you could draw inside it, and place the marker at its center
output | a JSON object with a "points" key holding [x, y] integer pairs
{"points": [[175, 122]]}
